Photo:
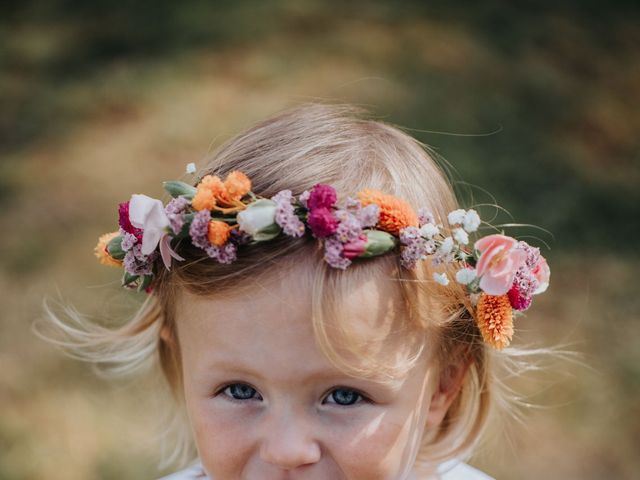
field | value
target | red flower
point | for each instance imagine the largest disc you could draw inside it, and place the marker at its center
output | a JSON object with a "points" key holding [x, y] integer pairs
{"points": [[125, 223], [517, 300]]}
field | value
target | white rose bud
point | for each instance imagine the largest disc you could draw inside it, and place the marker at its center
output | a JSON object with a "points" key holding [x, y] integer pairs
{"points": [[258, 220]]}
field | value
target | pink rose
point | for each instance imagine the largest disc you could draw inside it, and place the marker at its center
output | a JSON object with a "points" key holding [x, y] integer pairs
{"points": [[352, 249], [498, 263], [542, 272]]}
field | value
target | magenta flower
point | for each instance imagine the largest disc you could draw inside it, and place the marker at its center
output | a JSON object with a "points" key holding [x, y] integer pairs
{"points": [[125, 223], [322, 196], [322, 222], [517, 299]]}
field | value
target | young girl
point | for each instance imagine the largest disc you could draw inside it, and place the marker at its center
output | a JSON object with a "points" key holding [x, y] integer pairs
{"points": [[317, 305]]}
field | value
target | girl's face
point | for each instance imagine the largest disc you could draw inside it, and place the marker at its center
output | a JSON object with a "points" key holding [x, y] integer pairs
{"points": [[265, 404]]}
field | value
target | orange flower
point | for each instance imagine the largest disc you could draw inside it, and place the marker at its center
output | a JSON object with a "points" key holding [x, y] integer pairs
{"points": [[494, 316], [395, 213], [208, 190], [237, 184], [214, 194], [218, 232], [101, 250]]}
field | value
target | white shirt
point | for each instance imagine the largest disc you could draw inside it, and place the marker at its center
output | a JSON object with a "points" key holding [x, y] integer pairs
{"points": [[451, 470]]}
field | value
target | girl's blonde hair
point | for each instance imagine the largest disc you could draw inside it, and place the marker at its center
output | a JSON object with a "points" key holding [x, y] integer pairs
{"points": [[296, 149]]}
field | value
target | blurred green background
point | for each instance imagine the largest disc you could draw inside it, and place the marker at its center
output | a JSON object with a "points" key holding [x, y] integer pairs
{"points": [[535, 102]]}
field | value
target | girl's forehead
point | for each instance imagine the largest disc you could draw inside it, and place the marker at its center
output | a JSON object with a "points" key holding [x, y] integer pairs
{"points": [[277, 311]]}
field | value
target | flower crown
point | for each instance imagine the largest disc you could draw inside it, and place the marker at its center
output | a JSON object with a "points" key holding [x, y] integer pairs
{"points": [[501, 274]]}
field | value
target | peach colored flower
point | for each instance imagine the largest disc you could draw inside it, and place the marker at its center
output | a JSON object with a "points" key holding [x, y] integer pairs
{"points": [[498, 263], [218, 232], [542, 272], [494, 317], [237, 185], [395, 213], [101, 250], [206, 192]]}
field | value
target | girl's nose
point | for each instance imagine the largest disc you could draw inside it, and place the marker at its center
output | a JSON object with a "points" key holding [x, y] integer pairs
{"points": [[288, 443]]}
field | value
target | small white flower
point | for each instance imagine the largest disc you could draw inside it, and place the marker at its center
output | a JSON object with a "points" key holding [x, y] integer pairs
{"points": [[465, 276], [441, 278], [460, 236], [456, 217], [446, 247], [471, 221], [191, 167], [429, 230]]}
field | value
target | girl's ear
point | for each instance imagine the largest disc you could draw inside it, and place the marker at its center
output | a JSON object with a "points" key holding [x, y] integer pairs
{"points": [[446, 391], [167, 335]]}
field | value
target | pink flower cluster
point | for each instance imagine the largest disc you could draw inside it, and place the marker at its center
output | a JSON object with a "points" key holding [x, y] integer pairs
{"points": [[506, 266], [341, 229]]}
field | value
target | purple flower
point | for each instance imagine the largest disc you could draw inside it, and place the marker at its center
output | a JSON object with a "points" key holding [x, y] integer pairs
{"points": [[303, 198], [128, 240], [322, 222], [199, 228], [322, 196], [523, 288], [349, 228], [414, 247], [224, 254], [125, 223], [136, 263], [175, 212], [369, 215], [533, 254], [285, 215], [333, 250], [425, 216]]}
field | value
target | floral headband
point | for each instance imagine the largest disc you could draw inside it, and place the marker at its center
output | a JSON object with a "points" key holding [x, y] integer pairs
{"points": [[501, 274]]}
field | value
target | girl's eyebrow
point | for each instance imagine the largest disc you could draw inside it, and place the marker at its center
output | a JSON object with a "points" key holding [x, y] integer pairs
{"points": [[310, 377]]}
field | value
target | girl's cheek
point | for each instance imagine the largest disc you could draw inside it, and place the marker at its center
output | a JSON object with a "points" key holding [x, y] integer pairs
{"points": [[224, 439], [373, 449]]}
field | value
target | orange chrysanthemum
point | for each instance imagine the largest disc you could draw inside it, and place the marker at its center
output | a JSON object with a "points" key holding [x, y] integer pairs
{"points": [[101, 250], [218, 232], [395, 213], [237, 185], [494, 316]]}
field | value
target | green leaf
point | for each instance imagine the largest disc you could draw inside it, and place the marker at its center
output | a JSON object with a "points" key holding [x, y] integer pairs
{"points": [[177, 189], [127, 279], [146, 281], [114, 247], [268, 233], [378, 243]]}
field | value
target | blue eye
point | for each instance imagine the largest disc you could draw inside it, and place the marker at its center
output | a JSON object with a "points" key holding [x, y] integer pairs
{"points": [[240, 391], [345, 396]]}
